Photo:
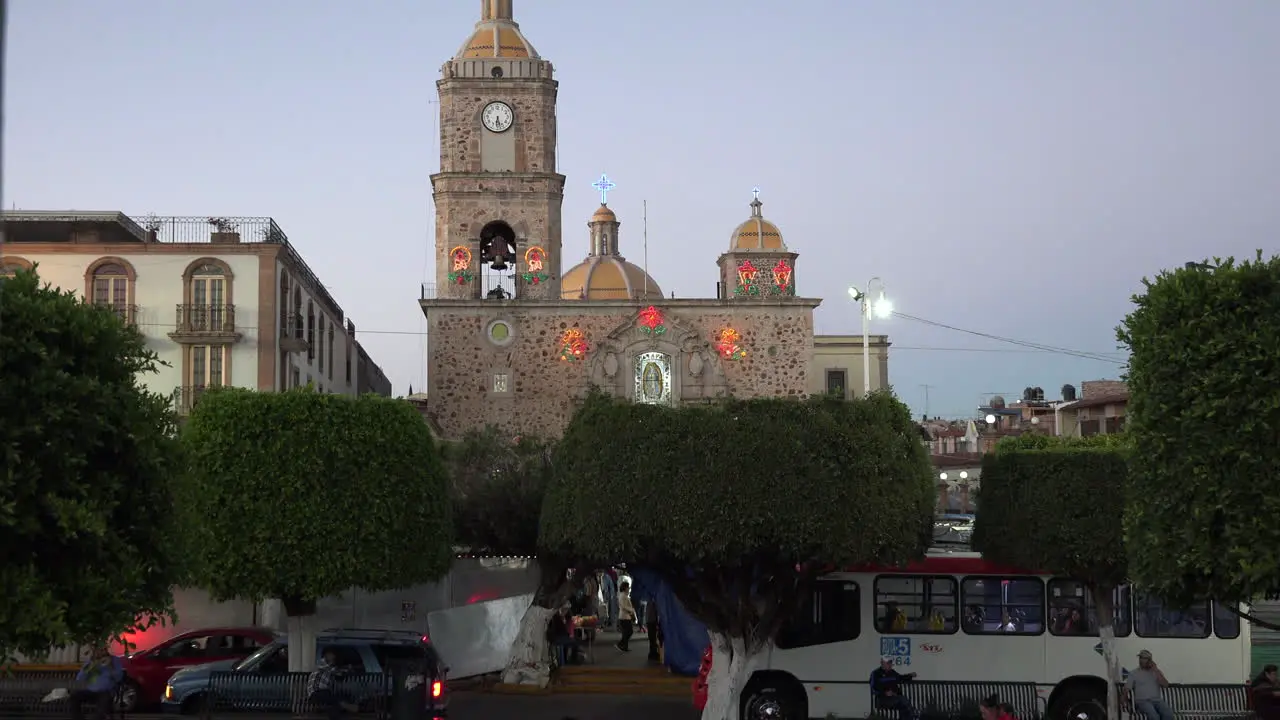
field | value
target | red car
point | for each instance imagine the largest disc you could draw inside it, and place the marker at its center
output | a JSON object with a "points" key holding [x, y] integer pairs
{"points": [[149, 670]]}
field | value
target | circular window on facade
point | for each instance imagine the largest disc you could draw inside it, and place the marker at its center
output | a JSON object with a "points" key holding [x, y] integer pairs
{"points": [[500, 332]]}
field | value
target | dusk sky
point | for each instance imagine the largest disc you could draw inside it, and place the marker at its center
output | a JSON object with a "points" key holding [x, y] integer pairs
{"points": [[1007, 167]]}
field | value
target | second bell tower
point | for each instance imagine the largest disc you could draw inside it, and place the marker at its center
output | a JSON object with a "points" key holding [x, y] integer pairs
{"points": [[497, 196]]}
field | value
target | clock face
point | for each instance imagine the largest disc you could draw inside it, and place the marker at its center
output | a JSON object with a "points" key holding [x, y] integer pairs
{"points": [[497, 117]]}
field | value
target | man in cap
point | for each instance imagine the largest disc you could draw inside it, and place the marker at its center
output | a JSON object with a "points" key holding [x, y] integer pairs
{"points": [[885, 681], [1143, 687]]}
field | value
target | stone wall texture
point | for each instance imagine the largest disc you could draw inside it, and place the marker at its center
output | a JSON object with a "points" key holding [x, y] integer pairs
{"points": [[541, 391]]}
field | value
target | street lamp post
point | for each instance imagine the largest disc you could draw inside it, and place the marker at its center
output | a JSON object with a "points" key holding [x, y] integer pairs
{"points": [[882, 309]]}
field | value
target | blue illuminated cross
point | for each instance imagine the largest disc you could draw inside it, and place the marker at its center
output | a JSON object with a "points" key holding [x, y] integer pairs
{"points": [[756, 192], [604, 185]]}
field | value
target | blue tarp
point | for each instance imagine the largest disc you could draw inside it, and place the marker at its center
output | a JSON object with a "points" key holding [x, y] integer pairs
{"points": [[684, 637]]}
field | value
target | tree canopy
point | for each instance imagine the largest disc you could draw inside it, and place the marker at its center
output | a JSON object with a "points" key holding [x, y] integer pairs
{"points": [[497, 484], [729, 498], [302, 495], [1056, 509], [1204, 413], [85, 529]]}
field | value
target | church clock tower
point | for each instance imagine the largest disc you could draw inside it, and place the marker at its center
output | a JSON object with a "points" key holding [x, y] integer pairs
{"points": [[497, 196]]}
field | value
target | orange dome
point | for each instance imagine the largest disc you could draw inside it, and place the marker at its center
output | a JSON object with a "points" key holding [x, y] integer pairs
{"points": [[607, 277], [604, 214]]}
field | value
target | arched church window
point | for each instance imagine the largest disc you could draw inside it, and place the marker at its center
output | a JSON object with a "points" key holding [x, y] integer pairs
{"points": [[653, 378]]}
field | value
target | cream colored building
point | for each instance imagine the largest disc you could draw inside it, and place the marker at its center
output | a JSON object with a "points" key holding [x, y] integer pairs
{"points": [[837, 363], [521, 325], [222, 301]]}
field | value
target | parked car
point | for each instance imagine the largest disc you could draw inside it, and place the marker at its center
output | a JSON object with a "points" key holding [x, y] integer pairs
{"points": [[148, 671], [257, 679]]}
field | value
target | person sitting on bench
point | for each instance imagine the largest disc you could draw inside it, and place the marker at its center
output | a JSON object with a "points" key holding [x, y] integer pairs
{"points": [[885, 681], [320, 690], [96, 684]]}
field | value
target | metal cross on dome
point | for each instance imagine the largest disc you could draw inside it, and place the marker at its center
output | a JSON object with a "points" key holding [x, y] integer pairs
{"points": [[755, 191], [604, 185]]}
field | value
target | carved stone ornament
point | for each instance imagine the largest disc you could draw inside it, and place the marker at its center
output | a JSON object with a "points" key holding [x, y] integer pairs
{"points": [[695, 364], [611, 364]]}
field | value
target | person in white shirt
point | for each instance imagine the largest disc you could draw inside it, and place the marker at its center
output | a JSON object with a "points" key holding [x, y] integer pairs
{"points": [[626, 614]]}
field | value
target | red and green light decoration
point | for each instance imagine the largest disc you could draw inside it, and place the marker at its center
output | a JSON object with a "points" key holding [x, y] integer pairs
{"points": [[728, 342], [535, 262], [573, 345], [460, 262], [651, 321], [779, 281]]}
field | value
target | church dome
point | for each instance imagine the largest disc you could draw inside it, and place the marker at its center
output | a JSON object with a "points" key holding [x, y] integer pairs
{"points": [[607, 277], [604, 214], [756, 233], [497, 35]]}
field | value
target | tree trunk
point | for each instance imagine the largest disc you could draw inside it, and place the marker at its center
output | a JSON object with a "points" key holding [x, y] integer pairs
{"points": [[730, 660], [1102, 600], [302, 634], [527, 663]]}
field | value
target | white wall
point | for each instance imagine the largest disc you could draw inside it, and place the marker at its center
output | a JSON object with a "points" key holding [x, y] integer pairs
{"points": [[157, 294]]}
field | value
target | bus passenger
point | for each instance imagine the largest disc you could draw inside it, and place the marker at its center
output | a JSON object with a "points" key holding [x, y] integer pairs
{"points": [[1071, 623], [1143, 687], [973, 619], [1006, 622], [884, 687]]}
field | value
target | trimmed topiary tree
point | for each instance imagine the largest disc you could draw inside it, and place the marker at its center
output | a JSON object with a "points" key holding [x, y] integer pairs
{"points": [[742, 500], [497, 484], [302, 495], [1204, 413], [1059, 509], [86, 542]]}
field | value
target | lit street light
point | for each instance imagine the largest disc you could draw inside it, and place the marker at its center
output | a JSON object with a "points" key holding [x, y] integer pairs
{"points": [[882, 308]]}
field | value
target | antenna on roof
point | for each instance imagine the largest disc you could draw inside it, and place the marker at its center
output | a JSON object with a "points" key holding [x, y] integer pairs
{"points": [[646, 248]]}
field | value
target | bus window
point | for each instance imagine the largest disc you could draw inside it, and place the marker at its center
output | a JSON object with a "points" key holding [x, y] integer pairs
{"points": [[915, 604], [830, 614], [1226, 624], [1153, 620], [1002, 605], [1073, 612]]}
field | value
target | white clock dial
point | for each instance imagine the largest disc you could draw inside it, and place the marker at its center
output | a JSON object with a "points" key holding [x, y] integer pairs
{"points": [[497, 116]]}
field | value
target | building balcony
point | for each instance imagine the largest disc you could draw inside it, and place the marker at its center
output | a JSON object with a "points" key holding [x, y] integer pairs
{"points": [[186, 397], [200, 324]]}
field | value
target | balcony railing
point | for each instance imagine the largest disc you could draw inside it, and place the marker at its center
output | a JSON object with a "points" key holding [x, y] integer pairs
{"points": [[186, 397], [211, 319], [128, 314]]}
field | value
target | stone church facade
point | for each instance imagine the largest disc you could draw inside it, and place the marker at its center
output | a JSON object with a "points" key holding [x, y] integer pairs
{"points": [[514, 338]]}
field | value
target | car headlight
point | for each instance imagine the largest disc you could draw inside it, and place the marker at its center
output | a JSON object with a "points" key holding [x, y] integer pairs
{"points": [[168, 692]]}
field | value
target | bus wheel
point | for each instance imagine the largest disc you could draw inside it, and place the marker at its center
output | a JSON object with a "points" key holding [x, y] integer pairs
{"points": [[1079, 703], [766, 703]]}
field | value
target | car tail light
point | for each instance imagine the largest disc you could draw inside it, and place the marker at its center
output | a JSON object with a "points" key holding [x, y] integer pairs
{"points": [[437, 687], [426, 640]]}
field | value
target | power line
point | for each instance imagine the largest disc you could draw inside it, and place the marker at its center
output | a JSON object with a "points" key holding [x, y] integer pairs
{"points": [[1023, 343]]}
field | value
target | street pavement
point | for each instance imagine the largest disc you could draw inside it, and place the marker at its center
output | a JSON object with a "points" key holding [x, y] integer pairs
{"points": [[489, 706], [485, 706]]}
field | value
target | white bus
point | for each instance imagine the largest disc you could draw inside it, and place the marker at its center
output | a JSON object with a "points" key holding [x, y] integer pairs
{"points": [[957, 617]]}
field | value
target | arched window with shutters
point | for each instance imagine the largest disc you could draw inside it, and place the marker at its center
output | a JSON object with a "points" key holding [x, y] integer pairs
{"points": [[208, 290], [110, 282], [311, 331], [10, 266]]}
